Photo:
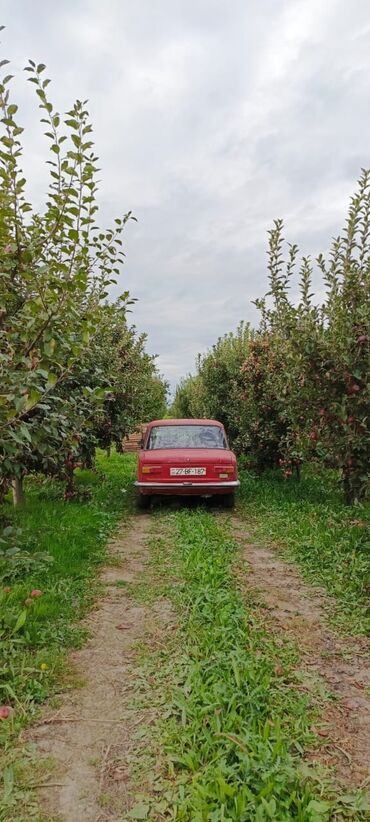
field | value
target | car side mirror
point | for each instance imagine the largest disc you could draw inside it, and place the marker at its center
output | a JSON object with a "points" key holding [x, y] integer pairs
{"points": [[141, 443]]}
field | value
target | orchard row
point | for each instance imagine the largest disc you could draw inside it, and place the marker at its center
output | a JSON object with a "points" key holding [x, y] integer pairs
{"points": [[74, 375], [297, 388]]}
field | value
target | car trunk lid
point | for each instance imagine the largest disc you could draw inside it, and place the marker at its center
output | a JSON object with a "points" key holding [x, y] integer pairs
{"points": [[192, 464]]}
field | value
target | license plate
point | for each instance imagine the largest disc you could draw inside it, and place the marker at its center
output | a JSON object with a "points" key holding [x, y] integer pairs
{"points": [[187, 472]]}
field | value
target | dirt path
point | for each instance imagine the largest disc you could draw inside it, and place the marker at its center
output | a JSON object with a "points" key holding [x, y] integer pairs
{"points": [[299, 611], [91, 737], [94, 736]]}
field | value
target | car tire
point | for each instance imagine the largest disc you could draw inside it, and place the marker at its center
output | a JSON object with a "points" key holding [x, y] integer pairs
{"points": [[229, 501], [143, 501]]}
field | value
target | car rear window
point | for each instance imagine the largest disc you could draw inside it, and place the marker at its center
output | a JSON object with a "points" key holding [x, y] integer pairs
{"points": [[186, 436]]}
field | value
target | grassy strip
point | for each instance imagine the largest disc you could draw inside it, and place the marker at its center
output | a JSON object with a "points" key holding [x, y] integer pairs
{"points": [[32, 656], [329, 540], [234, 729]]}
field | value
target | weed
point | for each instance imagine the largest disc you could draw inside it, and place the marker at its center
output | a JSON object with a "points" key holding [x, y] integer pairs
{"points": [[105, 800]]}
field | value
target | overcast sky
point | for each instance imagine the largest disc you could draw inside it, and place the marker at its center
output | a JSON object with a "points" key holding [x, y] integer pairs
{"points": [[211, 118]]}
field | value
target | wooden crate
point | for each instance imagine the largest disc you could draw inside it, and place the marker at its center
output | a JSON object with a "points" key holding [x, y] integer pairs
{"points": [[132, 443]]}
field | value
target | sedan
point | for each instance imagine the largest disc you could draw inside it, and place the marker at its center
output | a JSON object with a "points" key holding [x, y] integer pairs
{"points": [[188, 458]]}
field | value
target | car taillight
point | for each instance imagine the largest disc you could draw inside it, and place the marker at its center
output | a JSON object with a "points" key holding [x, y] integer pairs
{"points": [[151, 469], [225, 471]]}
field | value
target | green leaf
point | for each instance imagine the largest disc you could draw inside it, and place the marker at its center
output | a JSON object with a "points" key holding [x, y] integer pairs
{"points": [[25, 433], [49, 347], [52, 380], [20, 621], [32, 400], [8, 780], [318, 809], [139, 811], [72, 123]]}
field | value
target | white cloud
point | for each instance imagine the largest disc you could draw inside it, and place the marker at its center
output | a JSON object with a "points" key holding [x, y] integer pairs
{"points": [[211, 118]]}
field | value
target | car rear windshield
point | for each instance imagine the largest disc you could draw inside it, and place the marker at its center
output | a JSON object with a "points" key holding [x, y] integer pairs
{"points": [[186, 436]]}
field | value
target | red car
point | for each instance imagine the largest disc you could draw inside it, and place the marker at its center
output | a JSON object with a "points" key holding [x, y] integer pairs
{"points": [[187, 458]]}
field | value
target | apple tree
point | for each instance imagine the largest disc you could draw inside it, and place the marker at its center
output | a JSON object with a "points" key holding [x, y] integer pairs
{"points": [[56, 266]]}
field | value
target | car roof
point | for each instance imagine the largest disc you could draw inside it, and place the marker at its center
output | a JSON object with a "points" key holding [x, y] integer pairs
{"points": [[185, 422]]}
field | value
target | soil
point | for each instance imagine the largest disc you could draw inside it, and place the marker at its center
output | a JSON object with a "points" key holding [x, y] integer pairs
{"points": [[300, 612], [92, 736]]}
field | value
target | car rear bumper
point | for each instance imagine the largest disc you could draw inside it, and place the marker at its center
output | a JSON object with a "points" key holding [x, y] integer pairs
{"points": [[187, 487]]}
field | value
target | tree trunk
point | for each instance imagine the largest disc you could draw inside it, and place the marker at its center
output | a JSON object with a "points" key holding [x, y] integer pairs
{"points": [[108, 451], [351, 487], [89, 462], [18, 493]]}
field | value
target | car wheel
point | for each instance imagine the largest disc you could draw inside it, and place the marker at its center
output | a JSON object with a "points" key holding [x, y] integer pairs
{"points": [[229, 501], [143, 501]]}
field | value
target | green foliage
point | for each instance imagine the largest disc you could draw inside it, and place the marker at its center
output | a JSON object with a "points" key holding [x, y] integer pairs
{"points": [[126, 377], [56, 268], [73, 374], [325, 350], [261, 422], [298, 388], [219, 372], [189, 402], [212, 392], [154, 404], [16, 563]]}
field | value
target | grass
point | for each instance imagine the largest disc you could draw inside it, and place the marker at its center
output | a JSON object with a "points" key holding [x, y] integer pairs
{"points": [[36, 636], [309, 523], [234, 727]]}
